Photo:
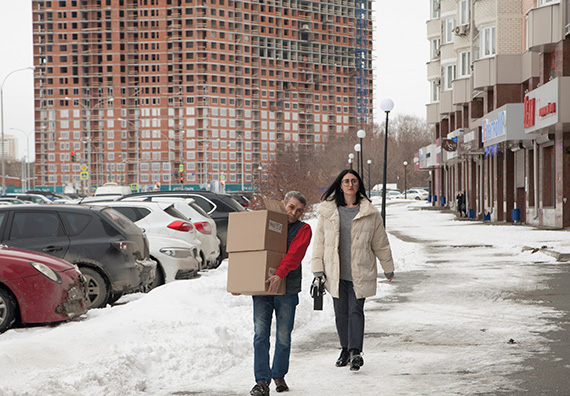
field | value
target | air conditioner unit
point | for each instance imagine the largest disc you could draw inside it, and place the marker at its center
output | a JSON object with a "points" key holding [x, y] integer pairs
{"points": [[461, 30], [305, 26]]}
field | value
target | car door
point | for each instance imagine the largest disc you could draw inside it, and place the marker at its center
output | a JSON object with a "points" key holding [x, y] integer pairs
{"points": [[41, 231]]}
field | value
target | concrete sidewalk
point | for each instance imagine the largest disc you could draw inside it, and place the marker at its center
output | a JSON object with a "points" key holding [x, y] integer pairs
{"points": [[549, 373]]}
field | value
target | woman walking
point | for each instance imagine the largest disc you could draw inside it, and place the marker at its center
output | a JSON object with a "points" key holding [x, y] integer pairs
{"points": [[349, 237]]}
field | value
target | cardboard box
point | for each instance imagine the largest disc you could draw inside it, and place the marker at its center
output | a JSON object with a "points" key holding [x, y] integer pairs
{"points": [[258, 230], [248, 271]]}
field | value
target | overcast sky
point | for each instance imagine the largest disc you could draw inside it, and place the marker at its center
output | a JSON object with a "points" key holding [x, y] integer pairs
{"points": [[401, 53]]}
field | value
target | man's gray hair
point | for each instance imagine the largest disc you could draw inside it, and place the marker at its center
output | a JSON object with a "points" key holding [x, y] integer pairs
{"points": [[297, 195]]}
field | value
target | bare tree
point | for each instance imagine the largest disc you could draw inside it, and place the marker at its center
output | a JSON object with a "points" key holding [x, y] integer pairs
{"points": [[312, 171]]}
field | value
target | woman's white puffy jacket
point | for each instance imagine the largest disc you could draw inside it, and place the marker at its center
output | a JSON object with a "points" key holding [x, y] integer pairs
{"points": [[368, 242]]}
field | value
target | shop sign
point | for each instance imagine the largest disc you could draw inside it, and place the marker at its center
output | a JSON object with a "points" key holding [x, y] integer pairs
{"points": [[449, 144], [494, 129], [504, 124], [541, 107]]}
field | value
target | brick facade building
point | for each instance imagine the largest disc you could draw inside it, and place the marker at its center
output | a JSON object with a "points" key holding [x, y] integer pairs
{"points": [[499, 74], [190, 92]]}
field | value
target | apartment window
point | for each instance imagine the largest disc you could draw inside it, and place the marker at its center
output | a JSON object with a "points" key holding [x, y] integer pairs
{"points": [[464, 63], [434, 88], [448, 77], [435, 50], [487, 44], [449, 25], [435, 7], [545, 2], [463, 11]]}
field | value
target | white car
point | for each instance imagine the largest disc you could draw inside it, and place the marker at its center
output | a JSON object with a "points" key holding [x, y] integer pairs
{"points": [[175, 259], [205, 226], [416, 194], [160, 218], [393, 194]]}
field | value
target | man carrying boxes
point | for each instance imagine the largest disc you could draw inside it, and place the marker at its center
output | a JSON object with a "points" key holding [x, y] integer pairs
{"points": [[265, 262]]}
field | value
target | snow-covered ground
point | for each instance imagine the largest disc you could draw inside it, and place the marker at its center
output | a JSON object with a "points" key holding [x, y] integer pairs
{"points": [[442, 327]]}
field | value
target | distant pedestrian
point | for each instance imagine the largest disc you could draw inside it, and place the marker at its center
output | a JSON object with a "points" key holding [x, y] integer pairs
{"points": [[461, 204], [298, 238], [349, 237]]}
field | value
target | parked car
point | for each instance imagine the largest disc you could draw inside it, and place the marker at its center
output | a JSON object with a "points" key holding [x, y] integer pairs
{"points": [[415, 194], [175, 259], [217, 205], [12, 201], [160, 218], [113, 189], [37, 288], [244, 199], [111, 252], [393, 194], [30, 198], [205, 226], [52, 196]]}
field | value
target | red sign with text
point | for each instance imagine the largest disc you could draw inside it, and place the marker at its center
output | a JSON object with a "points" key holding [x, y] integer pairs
{"points": [[529, 111]]}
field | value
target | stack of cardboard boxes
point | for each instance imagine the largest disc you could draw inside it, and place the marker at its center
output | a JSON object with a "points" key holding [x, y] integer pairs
{"points": [[257, 242]]}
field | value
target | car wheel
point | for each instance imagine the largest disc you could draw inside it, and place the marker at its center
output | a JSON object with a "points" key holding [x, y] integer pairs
{"points": [[7, 310], [418, 198], [115, 297], [97, 290]]}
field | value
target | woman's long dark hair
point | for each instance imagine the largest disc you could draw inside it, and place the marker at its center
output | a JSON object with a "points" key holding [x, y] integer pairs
{"points": [[334, 192]]}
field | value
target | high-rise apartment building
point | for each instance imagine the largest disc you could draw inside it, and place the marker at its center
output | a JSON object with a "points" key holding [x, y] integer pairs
{"points": [[193, 91], [500, 108], [10, 147]]}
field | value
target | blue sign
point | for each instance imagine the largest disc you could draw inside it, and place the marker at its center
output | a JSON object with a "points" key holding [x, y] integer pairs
{"points": [[494, 129]]}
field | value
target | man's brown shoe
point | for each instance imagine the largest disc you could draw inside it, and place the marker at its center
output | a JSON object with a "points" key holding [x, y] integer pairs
{"points": [[281, 385]]}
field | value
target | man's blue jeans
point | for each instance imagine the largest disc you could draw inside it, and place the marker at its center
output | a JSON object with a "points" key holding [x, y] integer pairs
{"points": [[263, 307]]}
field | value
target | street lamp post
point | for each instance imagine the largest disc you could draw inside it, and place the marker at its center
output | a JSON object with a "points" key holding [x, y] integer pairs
{"points": [[3, 152], [357, 149], [350, 160], [387, 105], [369, 162], [406, 179], [361, 134], [259, 168]]}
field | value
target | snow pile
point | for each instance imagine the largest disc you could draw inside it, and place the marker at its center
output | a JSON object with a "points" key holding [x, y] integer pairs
{"points": [[441, 327]]}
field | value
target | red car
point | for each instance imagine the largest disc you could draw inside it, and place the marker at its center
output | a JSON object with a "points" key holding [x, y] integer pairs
{"points": [[37, 288]]}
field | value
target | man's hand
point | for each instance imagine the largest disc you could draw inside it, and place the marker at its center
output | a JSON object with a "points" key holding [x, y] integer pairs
{"points": [[274, 282]]}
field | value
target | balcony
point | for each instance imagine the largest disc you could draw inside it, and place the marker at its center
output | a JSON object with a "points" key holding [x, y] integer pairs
{"points": [[545, 27], [432, 113], [433, 69], [501, 69], [462, 91]]}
